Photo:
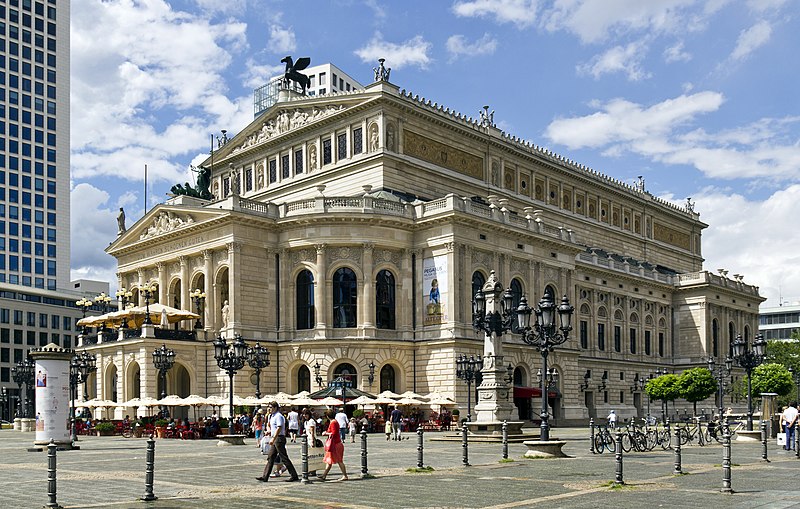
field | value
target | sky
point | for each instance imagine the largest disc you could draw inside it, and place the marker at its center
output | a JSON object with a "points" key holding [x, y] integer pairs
{"points": [[697, 97]]}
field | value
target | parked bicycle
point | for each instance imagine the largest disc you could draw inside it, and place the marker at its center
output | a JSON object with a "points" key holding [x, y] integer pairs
{"points": [[604, 440]]}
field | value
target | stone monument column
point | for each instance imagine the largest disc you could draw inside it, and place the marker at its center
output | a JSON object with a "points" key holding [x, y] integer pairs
{"points": [[368, 309], [321, 295]]}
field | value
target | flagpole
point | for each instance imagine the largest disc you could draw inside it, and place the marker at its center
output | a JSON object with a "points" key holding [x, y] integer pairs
{"points": [[145, 189]]}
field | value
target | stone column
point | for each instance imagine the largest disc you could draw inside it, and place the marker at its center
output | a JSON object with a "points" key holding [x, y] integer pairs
{"points": [[185, 290], [368, 285], [162, 283], [234, 289], [321, 295], [210, 305], [404, 299], [140, 296]]}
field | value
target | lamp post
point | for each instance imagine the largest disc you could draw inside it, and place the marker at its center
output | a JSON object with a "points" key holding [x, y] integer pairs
{"points": [[124, 296], [80, 366], [586, 377], [551, 379], [664, 409], [258, 359], [642, 385], [317, 376], [22, 373], [371, 376], [467, 369], [230, 359], [545, 334], [103, 300], [4, 403], [84, 305], [796, 376], [720, 372], [749, 358], [148, 289], [163, 360], [199, 297]]}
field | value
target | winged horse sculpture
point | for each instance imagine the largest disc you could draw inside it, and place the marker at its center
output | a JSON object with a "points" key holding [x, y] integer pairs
{"points": [[292, 72]]}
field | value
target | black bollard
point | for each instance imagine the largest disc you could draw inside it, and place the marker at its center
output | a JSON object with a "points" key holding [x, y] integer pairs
{"points": [[666, 424], [618, 478], [304, 459], [726, 459], [465, 444], [797, 440], [420, 446], [764, 457], [364, 471], [51, 475], [150, 462], [591, 436], [677, 470], [505, 440]]}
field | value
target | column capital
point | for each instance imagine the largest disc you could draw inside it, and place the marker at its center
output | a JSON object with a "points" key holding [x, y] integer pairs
{"points": [[208, 254], [234, 247], [320, 248]]}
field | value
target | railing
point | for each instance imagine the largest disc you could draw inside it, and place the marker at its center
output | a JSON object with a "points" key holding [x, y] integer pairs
{"points": [[183, 335], [254, 206]]}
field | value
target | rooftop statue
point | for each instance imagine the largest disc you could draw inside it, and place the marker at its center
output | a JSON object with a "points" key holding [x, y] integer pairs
{"points": [[200, 190], [292, 72]]}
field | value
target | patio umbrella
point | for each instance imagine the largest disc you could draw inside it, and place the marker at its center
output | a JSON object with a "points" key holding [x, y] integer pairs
{"points": [[389, 394], [249, 401], [100, 403], [137, 314], [304, 402], [381, 400], [412, 395], [363, 400], [409, 401], [195, 401], [172, 400], [301, 394], [329, 401], [146, 402]]}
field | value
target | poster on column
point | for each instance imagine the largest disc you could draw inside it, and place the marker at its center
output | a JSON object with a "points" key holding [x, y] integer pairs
{"points": [[434, 284], [52, 400]]}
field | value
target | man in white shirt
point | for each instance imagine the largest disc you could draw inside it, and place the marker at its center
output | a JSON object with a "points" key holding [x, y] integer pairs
{"points": [[343, 421], [612, 419], [277, 442], [294, 424], [789, 419]]}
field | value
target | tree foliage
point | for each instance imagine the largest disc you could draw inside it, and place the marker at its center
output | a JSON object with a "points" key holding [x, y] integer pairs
{"points": [[772, 377], [664, 388], [786, 353], [697, 384]]}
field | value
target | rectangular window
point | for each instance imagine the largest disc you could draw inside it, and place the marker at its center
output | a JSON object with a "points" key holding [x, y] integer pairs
{"points": [[42, 320], [273, 171], [17, 317], [633, 340], [334, 80], [55, 322], [5, 335], [248, 179], [298, 162], [321, 79], [285, 166], [601, 336], [617, 338], [341, 146], [42, 338], [31, 319], [584, 334], [358, 141], [226, 187], [67, 323], [17, 336], [647, 347], [30, 338], [661, 344], [327, 156]]}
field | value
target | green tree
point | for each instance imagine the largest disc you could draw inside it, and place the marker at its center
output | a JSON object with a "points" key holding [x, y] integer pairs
{"points": [[772, 377], [696, 384], [785, 352], [664, 388]]}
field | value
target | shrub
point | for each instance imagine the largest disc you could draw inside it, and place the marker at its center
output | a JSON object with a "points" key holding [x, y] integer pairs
{"points": [[160, 423], [358, 413], [105, 426]]}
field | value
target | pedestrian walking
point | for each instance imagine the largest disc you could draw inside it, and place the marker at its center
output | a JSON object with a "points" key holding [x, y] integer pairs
{"points": [[789, 418], [353, 430], [397, 423], [277, 442], [293, 419], [334, 448], [343, 421], [387, 428], [258, 426]]}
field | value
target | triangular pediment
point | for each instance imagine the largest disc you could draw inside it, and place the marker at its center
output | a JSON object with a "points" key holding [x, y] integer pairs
{"points": [[161, 221]]}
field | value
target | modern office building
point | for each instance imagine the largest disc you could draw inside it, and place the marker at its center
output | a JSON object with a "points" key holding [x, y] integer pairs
{"points": [[779, 323], [323, 79], [349, 232]]}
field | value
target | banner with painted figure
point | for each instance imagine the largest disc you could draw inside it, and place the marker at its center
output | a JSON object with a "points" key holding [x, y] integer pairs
{"points": [[434, 284], [52, 400]]}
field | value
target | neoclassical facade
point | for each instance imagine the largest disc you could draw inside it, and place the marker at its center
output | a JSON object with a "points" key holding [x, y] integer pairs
{"points": [[353, 229]]}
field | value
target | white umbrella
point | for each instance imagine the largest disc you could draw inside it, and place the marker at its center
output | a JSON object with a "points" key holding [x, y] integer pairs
{"points": [[329, 401], [409, 401], [304, 401], [362, 400], [100, 403], [301, 394], [249, 401], [137, 402], [172, 400], [389, 394], [283, 399], [381, 400], [195, 401], [216, 400], [412, 395]]}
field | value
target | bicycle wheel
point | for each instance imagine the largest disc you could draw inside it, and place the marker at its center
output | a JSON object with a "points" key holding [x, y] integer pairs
{"points": [[599, 443], [627, 443], [652, 439], [611, 443], [665, 438], [640, 442]]}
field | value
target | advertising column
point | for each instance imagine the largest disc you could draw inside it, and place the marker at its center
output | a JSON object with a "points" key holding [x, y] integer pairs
{"points": [[52, 394]]}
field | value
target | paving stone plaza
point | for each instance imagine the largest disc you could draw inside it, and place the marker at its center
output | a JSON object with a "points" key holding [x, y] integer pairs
{"points": [[110, 472]]}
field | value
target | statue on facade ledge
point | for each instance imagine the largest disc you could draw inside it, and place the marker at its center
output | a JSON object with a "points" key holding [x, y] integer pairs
{"points": [[292, 72], [382, 73], [200, 190]]}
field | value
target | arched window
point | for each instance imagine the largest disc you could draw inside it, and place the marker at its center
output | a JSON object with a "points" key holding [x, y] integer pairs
{"points": [[384, 300], [303, 379], [305, 300], [345, 298], [388, 379], [715, 338], [477, 283], [348, 372], [731, 338], [516, 291]]}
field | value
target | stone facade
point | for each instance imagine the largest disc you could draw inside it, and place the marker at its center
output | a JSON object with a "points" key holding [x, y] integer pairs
{"points": [[373, 182]]}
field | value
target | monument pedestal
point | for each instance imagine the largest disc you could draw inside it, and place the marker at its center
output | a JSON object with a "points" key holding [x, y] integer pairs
{"points": [[544, 449]]}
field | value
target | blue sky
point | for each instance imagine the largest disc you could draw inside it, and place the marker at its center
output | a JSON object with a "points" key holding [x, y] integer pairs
{"points": [[698, 97]]}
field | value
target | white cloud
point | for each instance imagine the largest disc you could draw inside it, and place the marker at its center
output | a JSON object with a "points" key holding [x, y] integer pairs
{"points": [[753, 239], [596, 20], [257, 74], [519, 12], [625, 59], [281, 40], [751, 39], [676, 53], [457, 45], [413, 52], [664, 133], [93, 220]]}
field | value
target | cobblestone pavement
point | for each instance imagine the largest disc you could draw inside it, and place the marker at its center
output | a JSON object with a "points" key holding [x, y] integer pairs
{"points": [[109, 472]]}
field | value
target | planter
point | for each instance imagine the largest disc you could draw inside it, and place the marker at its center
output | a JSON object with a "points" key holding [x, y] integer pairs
{"points": [[138, 432], [224, 431], [160, 431], [104, 432]]}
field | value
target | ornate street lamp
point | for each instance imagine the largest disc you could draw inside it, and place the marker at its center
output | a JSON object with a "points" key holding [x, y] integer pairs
{"points": [[720, 372], [230, 359], [468, 369], [551, 329], [199, 297], [258, 359], [586, 377], [163, 360], [371, 376], [22, 373], [148, 289], [748, 359], [603, 382], [496, 322], [317, 376], [552, 378], [642, 384], [84, 305], [80, 366], [4, 402], [124, 296]]}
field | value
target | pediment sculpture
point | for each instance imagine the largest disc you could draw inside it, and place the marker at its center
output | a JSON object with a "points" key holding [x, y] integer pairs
{"points": [[166, 222], [285, 121]]}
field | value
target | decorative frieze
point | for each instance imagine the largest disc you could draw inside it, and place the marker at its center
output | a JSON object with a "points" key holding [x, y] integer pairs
{"points": [[165, 222], [285, 121]]}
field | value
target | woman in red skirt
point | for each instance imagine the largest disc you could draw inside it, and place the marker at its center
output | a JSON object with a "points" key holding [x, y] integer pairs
{"points": [[334, 448]]}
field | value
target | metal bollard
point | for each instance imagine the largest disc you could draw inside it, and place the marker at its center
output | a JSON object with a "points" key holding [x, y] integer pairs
{"points": [[420, 447], [764, 441], [677, 470], [364, 471], [505, 440], [465, 444], [726, 459], [150, 462], [51, 475], [666, 425], [797, 440], [304, 459], [591, 436], [618, 478]]}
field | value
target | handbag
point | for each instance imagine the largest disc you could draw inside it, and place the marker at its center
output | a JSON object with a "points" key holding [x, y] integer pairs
{"points": [[328, 444]]}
